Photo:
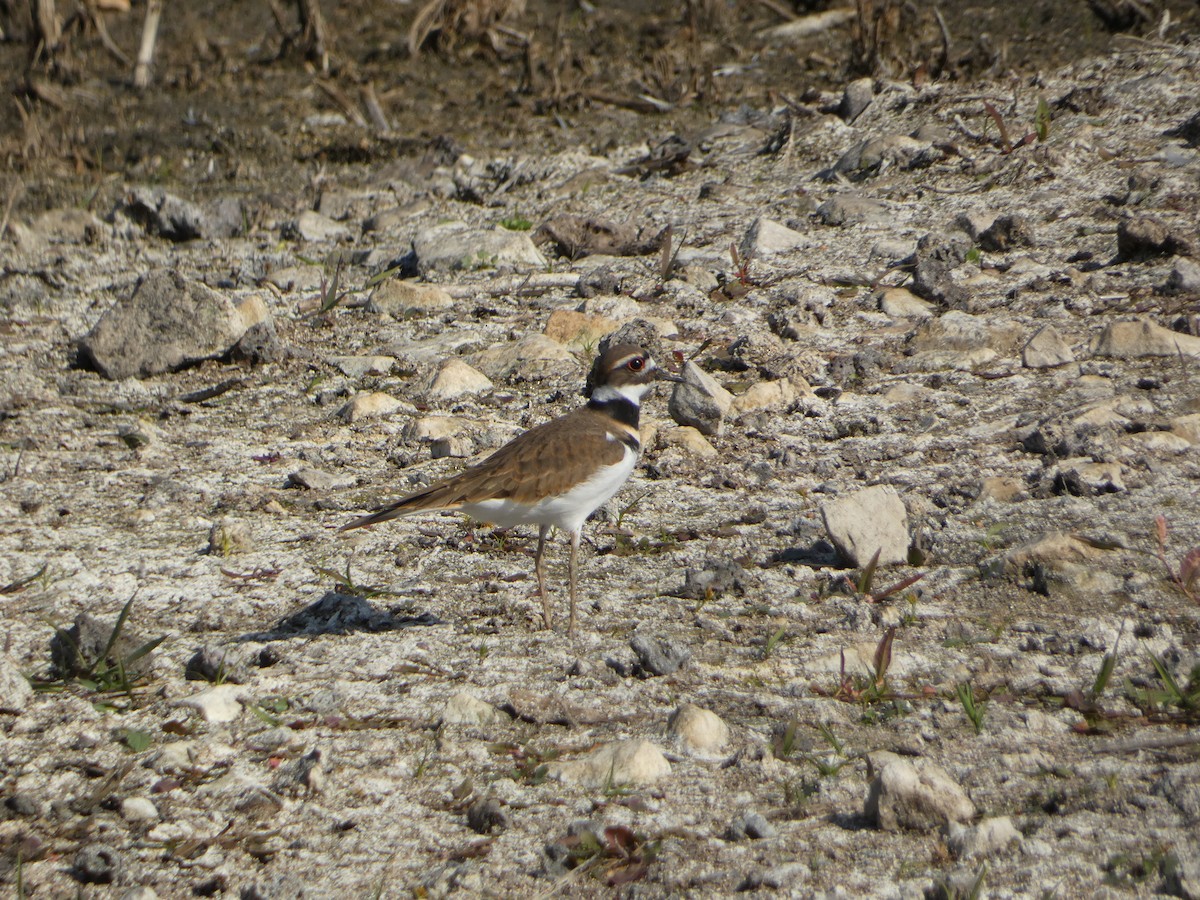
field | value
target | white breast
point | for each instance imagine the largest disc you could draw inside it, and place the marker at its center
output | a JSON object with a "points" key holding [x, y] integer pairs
{"points": [[567, 511]]}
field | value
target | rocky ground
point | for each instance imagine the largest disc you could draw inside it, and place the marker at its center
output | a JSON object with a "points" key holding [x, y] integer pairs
{"points": [[955, 322]]}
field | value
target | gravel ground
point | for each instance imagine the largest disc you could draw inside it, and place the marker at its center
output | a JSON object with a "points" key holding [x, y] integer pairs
{"points": [[988, 319]]}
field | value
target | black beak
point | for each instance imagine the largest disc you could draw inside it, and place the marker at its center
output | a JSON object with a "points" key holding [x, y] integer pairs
{"points": [[664, 375]]}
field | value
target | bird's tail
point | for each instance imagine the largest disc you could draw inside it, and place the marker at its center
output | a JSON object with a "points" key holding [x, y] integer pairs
{"points": [[422, 501]]}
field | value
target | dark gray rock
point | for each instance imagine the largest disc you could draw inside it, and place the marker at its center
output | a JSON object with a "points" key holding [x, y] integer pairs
{"points": [[165, 215], [1007, 233], [97, 864], [77, 650], [750, 827], [215, 664], [658, 656], [856, 97], [485, 816], [714, 578]]}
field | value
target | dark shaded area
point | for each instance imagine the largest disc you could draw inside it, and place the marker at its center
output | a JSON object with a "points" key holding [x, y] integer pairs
{"points": [[236, 101], [340, 614]]}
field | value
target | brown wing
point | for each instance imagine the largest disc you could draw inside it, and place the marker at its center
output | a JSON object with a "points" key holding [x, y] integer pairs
{"points": [[546, 460]]}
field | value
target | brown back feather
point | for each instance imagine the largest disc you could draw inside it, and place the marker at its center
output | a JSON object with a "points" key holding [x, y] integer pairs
{"points": [[546, 460]]}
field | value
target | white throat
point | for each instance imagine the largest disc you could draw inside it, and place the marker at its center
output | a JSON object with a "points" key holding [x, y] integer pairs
{"points": [[631, 392]]}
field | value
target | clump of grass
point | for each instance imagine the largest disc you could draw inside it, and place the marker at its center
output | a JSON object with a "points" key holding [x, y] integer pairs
{"points": [[516, 222], [973, 708], [117, 668], [344, 583]]}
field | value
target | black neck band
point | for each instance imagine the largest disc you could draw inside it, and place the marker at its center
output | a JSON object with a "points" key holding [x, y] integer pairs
{"points": [[620, 409]]}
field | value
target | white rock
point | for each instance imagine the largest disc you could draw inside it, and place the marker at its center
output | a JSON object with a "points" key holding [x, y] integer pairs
{"points": [[533, 356], [138, 809], [312, 226], [369, 406], [1046, 349], [454, 246], [454, 378], [700, 401], [774, 395], [687, 439], [220, 703], [1187, 427], [961, 331], [361, 366], [901, 303], [871, 519], [168, 322], [634, 761], [464, 708], [767, 237], [175, 757], [1185, 275], [989, 837], [297, 278], [1130, 340], [428, 429], [402, 299], [920, 796], [15, 692], [698, 731]]}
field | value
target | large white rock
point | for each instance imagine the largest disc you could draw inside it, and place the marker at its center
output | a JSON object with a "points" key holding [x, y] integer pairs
{"points": [[871, 519], [625, 762], [919, 796], [167, 323]]}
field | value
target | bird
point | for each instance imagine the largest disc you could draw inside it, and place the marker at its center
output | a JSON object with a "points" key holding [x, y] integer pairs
{"points": [[556, 474]]}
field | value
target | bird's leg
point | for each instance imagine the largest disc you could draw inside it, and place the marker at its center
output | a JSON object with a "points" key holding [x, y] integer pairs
{"points": [[572, 566], [540, 568]]}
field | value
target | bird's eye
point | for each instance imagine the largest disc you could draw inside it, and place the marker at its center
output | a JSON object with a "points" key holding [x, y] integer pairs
{"points": [[636, 364]]}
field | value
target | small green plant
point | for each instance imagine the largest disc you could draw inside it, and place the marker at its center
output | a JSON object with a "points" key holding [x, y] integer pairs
{"points": [[1041, 121], [866, 580], [331, 295], [1129, 869], [990, 539], [269, 709], [874, 687], [136, 739], [530, 764], [344, 583], [774, 640], [954, 890], [516, 222], [974, 255], [974, 709], [108, 672], [1185, 697]]}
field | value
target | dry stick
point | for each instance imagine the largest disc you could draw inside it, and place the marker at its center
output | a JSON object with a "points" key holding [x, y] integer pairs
{"points": [[780, 10], [110, 45], [49, 26], [1165, 742], [14, 194], [141, 72], [338, 96], [314, 32], [375, 109]]}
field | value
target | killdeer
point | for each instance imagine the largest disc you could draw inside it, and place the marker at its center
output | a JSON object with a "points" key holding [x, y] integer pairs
{"points": [[557, 474]]}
